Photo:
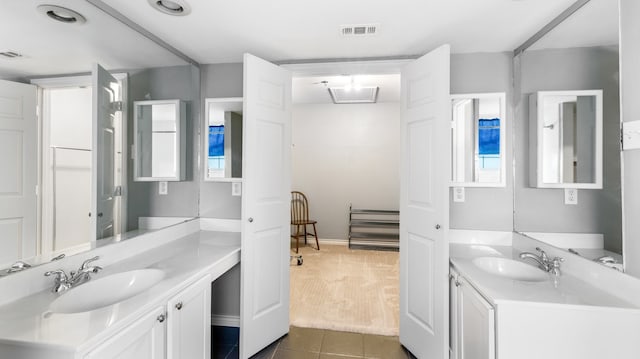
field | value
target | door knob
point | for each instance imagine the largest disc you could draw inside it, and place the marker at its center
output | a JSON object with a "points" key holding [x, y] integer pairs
{"points": [[250, 219], [437, 226], [179, 306], [161, 318]]}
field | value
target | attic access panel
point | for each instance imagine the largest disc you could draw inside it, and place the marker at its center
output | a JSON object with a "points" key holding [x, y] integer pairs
{"points": [[364, 94]]}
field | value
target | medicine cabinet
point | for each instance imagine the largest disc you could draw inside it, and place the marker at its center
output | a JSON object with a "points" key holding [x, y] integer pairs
{"points": [[565, 139], [159, 148], [223, 139], [478, 142]]}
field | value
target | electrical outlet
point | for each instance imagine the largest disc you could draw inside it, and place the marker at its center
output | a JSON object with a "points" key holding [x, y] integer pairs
{"points": [[163, 187], [570, 196], [458, 194], [236, 188]]}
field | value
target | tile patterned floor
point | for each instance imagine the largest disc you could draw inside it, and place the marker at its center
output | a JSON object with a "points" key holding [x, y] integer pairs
{"points": [[303, 343]]}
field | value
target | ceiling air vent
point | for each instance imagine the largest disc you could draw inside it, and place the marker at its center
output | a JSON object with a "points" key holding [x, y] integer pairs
{"points": [[10, 54], [359, 30], [363, 94]]}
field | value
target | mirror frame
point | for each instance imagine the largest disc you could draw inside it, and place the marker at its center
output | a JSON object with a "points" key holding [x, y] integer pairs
{"points": [[536, 128], [503, 140], [179, 151], [205, 138]]}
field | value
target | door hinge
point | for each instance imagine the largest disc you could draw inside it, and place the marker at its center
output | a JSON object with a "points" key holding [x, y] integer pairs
{"points": [[116, 106], [118, 191]]}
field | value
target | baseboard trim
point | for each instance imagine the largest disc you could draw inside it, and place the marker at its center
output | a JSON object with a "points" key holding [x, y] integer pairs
{"points": [[333, 241], [225, 320]]}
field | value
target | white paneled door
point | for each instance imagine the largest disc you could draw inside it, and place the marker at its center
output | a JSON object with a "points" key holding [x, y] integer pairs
{"points": [[264, 310], [18, 172], [106, 96], [424, 205]]}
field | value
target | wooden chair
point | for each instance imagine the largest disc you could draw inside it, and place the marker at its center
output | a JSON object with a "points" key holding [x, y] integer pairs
{"points": [[300, 219]]}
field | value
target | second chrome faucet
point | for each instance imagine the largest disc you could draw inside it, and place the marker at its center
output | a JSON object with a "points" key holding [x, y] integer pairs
{"points": [[544, 262], [64, 282]]}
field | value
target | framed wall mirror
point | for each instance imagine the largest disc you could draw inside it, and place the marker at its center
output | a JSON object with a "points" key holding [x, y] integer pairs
{"points": [[56, 156], [557, 72], [478, 129], [565, 142], [223, 139], [159, 127]]}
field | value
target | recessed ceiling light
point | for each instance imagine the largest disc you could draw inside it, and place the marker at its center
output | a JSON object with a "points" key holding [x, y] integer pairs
{"points": [[62, 14], [171, 7]]}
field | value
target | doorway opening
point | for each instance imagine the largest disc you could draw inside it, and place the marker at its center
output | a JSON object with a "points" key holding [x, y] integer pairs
{"points": [[346, 154]]}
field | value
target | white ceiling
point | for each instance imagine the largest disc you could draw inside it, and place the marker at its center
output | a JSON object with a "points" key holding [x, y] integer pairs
{"points": [[51, 47], [220, 31], [595, 24]]}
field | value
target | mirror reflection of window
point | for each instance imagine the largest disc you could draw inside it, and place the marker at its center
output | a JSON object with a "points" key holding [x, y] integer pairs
{"points": [[216, 151], [224, 139], [477, 135]]}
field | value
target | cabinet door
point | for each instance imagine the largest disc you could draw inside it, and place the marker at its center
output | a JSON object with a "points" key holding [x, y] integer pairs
{"points": [[189, 325], [144, 339], [476, 329]]}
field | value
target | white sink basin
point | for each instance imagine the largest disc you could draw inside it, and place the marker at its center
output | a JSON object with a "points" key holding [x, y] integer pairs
{"points": [[511, 269], [108, 290]]}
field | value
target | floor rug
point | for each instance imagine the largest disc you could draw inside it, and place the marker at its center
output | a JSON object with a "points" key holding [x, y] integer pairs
{"points": [[350, 290]]}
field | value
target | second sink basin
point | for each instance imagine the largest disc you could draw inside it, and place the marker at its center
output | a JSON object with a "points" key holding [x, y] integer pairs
{"points": [[511, 269], [105, 291]]}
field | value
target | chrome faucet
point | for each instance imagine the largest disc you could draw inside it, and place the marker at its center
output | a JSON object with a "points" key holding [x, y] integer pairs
{"points": [[64, 282], [544, 262], [606, 260]]}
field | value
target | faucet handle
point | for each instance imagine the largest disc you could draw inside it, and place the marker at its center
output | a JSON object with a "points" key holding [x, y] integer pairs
{"points": [[85, 264], [61, 276], [543, 254]]}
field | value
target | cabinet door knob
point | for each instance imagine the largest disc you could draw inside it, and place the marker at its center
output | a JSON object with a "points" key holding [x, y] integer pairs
{"points": [[437, 226], [161, 318], [179, 306], [250, 219]]}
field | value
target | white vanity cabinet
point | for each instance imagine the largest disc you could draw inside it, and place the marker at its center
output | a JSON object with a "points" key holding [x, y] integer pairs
{"points": [[189, 322], [145, 338], [181, 329], [472, 321]]}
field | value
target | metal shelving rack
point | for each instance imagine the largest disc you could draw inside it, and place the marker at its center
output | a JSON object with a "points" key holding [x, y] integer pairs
{"points": [[374, 228]]}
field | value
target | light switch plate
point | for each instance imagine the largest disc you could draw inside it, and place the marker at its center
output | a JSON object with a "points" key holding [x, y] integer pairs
{"points": [[631, 135], [458, 194], [163, 187], [236, 188], [570, 196]]}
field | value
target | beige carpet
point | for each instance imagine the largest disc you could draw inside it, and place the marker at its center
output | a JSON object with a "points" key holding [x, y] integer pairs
{"points": [[350, 290]]}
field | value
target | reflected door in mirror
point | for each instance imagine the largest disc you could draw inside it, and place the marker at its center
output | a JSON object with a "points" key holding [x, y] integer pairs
{"points": [[478, 140], [566, 129]]}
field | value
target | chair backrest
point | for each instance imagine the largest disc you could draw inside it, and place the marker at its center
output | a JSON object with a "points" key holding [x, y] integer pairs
{"points": [[299, 207]]}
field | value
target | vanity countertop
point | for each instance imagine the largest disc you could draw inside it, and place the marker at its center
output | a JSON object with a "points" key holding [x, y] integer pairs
{"points": [[565, 289], [28, 322]]}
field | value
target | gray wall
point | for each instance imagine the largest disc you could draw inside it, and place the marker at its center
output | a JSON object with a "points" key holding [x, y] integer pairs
{"points": [[219, 80], [630, 74], [216, 201], [485, 208], [543, 210], [177, 82]]}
